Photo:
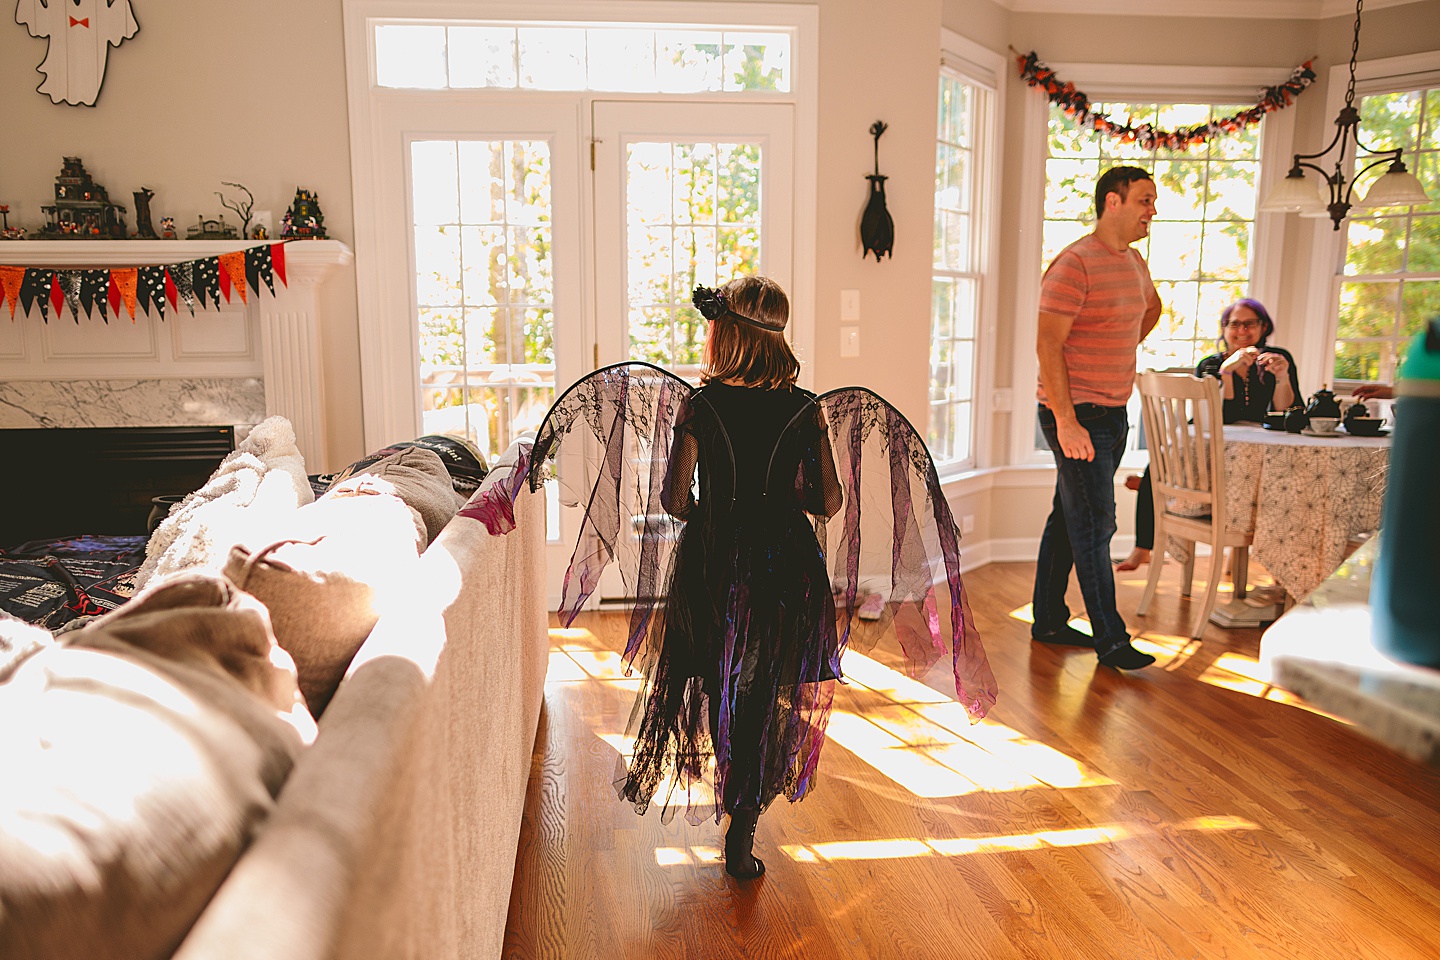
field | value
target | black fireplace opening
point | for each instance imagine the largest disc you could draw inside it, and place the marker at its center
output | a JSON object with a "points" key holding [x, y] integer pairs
{"points": [[64, 482]]}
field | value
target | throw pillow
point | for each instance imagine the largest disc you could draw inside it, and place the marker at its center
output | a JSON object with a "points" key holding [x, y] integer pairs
{"points": [[463, 462], [140, 757], [347, 558], [420, 479]]}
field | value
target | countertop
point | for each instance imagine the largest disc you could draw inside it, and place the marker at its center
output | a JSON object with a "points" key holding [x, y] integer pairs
{"points": [[1322, 651]]}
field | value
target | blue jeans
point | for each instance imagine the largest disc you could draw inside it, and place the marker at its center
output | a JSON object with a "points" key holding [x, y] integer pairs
{"points": [[1081, 523]]}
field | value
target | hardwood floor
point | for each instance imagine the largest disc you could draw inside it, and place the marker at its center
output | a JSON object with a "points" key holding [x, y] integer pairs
{"points": [[1185, 810]]}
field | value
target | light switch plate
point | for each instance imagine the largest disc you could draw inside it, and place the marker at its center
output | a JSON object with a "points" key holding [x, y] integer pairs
{"points": [[849, 305], [849, 341]]}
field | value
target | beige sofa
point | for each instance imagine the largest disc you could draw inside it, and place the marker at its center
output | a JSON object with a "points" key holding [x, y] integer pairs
{"points": [[395, 833]]}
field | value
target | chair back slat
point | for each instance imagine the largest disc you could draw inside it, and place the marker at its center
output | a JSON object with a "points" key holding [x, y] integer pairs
{"points": [[1184, 425]]}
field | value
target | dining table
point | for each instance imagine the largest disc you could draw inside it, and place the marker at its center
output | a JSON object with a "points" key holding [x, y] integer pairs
{"points": [[1304, 497]]}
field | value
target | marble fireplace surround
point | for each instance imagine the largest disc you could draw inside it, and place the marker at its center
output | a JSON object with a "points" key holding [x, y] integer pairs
{"points": [[231, 366]]}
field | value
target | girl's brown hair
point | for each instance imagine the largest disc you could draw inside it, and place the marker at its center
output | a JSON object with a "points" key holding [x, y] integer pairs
{"points": [[741, 352]]}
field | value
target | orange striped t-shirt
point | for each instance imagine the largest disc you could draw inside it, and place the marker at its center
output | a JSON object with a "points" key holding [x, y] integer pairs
{"points": [[1106, 293]]}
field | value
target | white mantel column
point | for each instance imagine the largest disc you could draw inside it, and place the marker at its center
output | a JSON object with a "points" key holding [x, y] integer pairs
{"points": [[290, 343]]}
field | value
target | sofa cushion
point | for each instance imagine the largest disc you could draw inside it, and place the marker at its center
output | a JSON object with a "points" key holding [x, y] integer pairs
{"points": [[140, 756], [345, 559]]}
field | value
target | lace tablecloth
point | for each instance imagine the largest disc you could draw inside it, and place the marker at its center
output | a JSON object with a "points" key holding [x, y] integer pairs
{"points": [[1303, 498]]}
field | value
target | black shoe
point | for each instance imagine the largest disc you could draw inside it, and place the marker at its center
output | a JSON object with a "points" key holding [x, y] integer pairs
{"points": [[1066, 636], [1125, 657], [740, 862]]}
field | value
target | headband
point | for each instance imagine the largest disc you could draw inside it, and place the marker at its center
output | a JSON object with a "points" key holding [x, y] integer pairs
{"points": [[713, 304]]}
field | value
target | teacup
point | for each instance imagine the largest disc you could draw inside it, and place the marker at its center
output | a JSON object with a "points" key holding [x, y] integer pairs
{"points": [[1324, 425]]}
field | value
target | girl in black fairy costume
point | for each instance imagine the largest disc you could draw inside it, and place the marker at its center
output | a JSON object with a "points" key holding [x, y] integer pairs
{"points": [[717, 504]]}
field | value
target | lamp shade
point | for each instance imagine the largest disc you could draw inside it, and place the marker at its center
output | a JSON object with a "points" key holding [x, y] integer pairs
{"points": [[1397, 188], [1294, 194]]}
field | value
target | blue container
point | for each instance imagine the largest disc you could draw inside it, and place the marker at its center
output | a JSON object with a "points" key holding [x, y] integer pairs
{"points": [[1405, 587]]}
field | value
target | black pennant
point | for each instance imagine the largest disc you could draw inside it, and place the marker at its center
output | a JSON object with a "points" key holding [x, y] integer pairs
{"points": [[94, 285], [182, 275], [206, 280], [36, 288], [258, 266], [70, 286], [150, 286]]}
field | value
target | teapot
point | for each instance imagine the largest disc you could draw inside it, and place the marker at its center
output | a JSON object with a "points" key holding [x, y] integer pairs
{"points": [[1356, 410], [1323, 404], [1296, 419]]}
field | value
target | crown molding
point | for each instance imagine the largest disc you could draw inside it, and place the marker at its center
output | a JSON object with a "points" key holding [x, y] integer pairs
{"points": [[1217, 9]]}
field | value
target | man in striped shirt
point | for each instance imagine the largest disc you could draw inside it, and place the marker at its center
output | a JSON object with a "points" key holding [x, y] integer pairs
{"points": [[1097, 302]]}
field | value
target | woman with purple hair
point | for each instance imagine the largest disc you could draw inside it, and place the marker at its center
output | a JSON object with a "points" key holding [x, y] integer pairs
{"points": [[1257, 379]]}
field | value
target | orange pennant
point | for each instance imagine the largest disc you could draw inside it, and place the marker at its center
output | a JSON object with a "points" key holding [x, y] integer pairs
{"points": [[234, 265], [10, 280], [125, 280]]}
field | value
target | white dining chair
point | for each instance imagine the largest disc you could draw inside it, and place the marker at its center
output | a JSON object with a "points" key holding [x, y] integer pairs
{"points": [[1184, 432]]}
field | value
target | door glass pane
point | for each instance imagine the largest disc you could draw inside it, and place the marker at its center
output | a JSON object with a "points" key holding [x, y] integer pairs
{"points": [[692, 217], [484, 287]]}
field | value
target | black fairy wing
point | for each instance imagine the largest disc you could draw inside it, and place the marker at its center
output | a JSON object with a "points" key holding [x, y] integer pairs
{"points": [[893, 535], [608, 442]]}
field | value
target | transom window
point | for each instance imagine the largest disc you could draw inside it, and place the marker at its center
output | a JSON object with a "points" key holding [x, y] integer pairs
{"points": [[1390, 284], [1200, 240], [635, 59]]}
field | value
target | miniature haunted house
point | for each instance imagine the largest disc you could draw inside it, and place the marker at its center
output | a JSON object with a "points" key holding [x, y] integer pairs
{"points": [[82, 209]]}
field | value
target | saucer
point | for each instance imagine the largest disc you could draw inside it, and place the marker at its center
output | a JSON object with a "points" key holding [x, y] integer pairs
{"points": [[1311, 433]]}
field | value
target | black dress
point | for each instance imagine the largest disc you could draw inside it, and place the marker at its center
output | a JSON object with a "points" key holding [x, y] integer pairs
{"points": [[748, 621], [1254, 391], [734, 515]]}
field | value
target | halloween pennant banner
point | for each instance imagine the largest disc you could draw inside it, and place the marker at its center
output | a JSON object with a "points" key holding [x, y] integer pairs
{"points": [[1079, 107], [148, 287]]}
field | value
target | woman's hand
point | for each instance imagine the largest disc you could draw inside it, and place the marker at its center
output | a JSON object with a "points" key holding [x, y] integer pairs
{"points": [[1276, 365], [1239, 362], [1374, 391]]}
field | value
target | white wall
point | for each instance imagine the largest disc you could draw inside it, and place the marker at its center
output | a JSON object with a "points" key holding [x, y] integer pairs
{"points": [[212, 91]]}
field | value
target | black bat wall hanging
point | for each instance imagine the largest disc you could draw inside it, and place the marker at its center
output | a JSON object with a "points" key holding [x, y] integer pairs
{"points": [[877, 230]]}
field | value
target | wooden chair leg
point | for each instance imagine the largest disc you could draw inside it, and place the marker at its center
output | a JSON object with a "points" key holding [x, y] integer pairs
{"points": [[1240, 563], [1157, 563], [1212, 587], [1187, 572]]}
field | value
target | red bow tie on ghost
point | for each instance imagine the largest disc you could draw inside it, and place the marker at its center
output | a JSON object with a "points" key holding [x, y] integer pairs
{"points": [[80, 23]]}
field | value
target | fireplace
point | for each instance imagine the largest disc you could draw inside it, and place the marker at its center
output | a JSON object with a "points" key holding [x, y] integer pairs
{"points": [[96, 480]]}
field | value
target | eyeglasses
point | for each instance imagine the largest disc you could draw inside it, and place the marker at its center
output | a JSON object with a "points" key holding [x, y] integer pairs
{"points": [[1242, 324]]}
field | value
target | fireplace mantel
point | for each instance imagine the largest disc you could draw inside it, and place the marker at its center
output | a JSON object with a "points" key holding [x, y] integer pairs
{"points": [[287, 355]]}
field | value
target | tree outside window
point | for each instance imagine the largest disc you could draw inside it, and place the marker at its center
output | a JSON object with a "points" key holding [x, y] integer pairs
{"points": [[1199, 244], [955, 284], [1390, 285]]}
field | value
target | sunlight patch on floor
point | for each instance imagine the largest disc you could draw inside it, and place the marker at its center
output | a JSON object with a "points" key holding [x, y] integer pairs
{"points": [[925, 742], [576, 654], [964, 846], [1026, 614], [873, 675], [684, 856]]}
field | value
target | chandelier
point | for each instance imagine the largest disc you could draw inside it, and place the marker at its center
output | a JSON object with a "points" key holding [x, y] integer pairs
{"points": [[1397, 187]]}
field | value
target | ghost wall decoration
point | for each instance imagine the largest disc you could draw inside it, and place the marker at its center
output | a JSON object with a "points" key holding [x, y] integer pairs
{"points": [[81, 33], [877, 230]]}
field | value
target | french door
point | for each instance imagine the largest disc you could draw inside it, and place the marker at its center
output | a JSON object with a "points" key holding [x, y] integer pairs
{"points": [[510, 298], [684, 194]]}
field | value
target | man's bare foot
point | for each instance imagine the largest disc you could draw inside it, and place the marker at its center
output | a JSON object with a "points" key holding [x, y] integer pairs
{"points": [[1137, 559]]}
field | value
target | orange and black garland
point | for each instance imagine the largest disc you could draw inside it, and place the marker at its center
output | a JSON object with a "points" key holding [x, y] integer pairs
{"points": [[1077, 105], [205, 280]]}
